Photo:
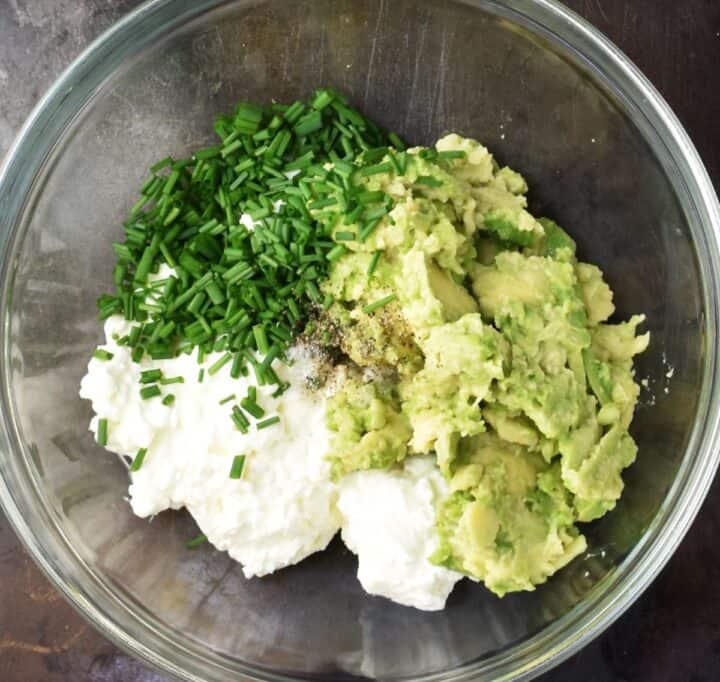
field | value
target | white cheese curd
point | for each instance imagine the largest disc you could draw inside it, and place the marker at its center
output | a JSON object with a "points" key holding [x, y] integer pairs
{"points": [[280, 511], [388, 520], [248, 222]]}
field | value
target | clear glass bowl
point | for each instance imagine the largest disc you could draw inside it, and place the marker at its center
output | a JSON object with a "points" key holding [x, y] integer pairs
{"points": [[604, 156]]}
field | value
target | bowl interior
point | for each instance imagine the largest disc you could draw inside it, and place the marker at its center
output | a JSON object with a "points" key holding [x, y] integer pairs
{"points": [[420, 68]]}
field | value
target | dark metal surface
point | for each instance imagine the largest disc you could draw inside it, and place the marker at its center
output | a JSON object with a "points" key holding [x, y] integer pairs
{"points": [[672, 633]]}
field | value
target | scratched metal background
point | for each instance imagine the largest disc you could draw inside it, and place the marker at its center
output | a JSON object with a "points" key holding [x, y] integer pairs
{"points": [[673, 633]]}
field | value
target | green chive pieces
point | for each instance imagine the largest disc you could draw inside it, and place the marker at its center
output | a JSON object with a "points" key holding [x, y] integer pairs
{"points": [[150, 376], [171, 380], [237, 466], [102, 432], [196, 542], [168, 400], [219, 364], [379, 304], [376, 169], [268, 422], [148, 392], [251, 407], [239, 419], [138, 460], [428, 181], [102, 354], [374, 263], [452, 154]]}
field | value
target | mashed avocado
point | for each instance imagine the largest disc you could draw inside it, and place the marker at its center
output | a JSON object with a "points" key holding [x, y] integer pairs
{"points": [[477, 336]]}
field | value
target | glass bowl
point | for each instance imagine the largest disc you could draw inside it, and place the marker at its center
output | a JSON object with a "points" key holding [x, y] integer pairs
{"points": [[551, 97]]}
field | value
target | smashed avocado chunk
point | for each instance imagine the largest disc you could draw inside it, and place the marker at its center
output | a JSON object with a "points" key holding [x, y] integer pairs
{"points": [[476, 335], [369, 430], [442, 401], [509, 521]]}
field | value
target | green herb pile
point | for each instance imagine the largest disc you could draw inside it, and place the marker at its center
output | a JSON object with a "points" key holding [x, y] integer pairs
{"points": [[245, 288]]}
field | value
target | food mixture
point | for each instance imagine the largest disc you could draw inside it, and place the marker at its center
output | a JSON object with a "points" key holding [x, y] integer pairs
{"points": [[316, 329]]}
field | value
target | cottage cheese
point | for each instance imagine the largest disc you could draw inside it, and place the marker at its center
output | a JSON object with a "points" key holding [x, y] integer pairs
{"points": [[285, 507], [388, 520]]}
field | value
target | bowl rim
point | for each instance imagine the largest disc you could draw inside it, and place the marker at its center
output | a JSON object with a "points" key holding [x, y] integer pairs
{"points": [[692, 483]]}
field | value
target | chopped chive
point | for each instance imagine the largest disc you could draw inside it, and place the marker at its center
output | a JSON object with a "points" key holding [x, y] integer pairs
{"points": [[174, 213], [167, 255], [239, 419], [301, 162], [396, 141], [428, 181], [379, 303], [172, 380], [196, 542], [150, 376], [138, 459], [150, 392], [219, 364], [102, 354], [273, 352], [322, 99], [169, 399], [354, 215], [196, 303], [429, 154], [163, 163], [261, 339], [369, 197], [227, 399], [308, 124], [368, 229], [215, 293], [237, 466], [281, 389], [229, 149], [336, 252], [394, 161], [312, 289], [237, 365], [374, 262], [378, 168], [322, 203], [208, 153], [102, 432], [452, 154], [201, 375], [270, 376], [344, 236], [160, 353], [209, 225], [268, 422], [167, 329], [170, 182], [293, 308], [377, 212], [252, 408]]}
